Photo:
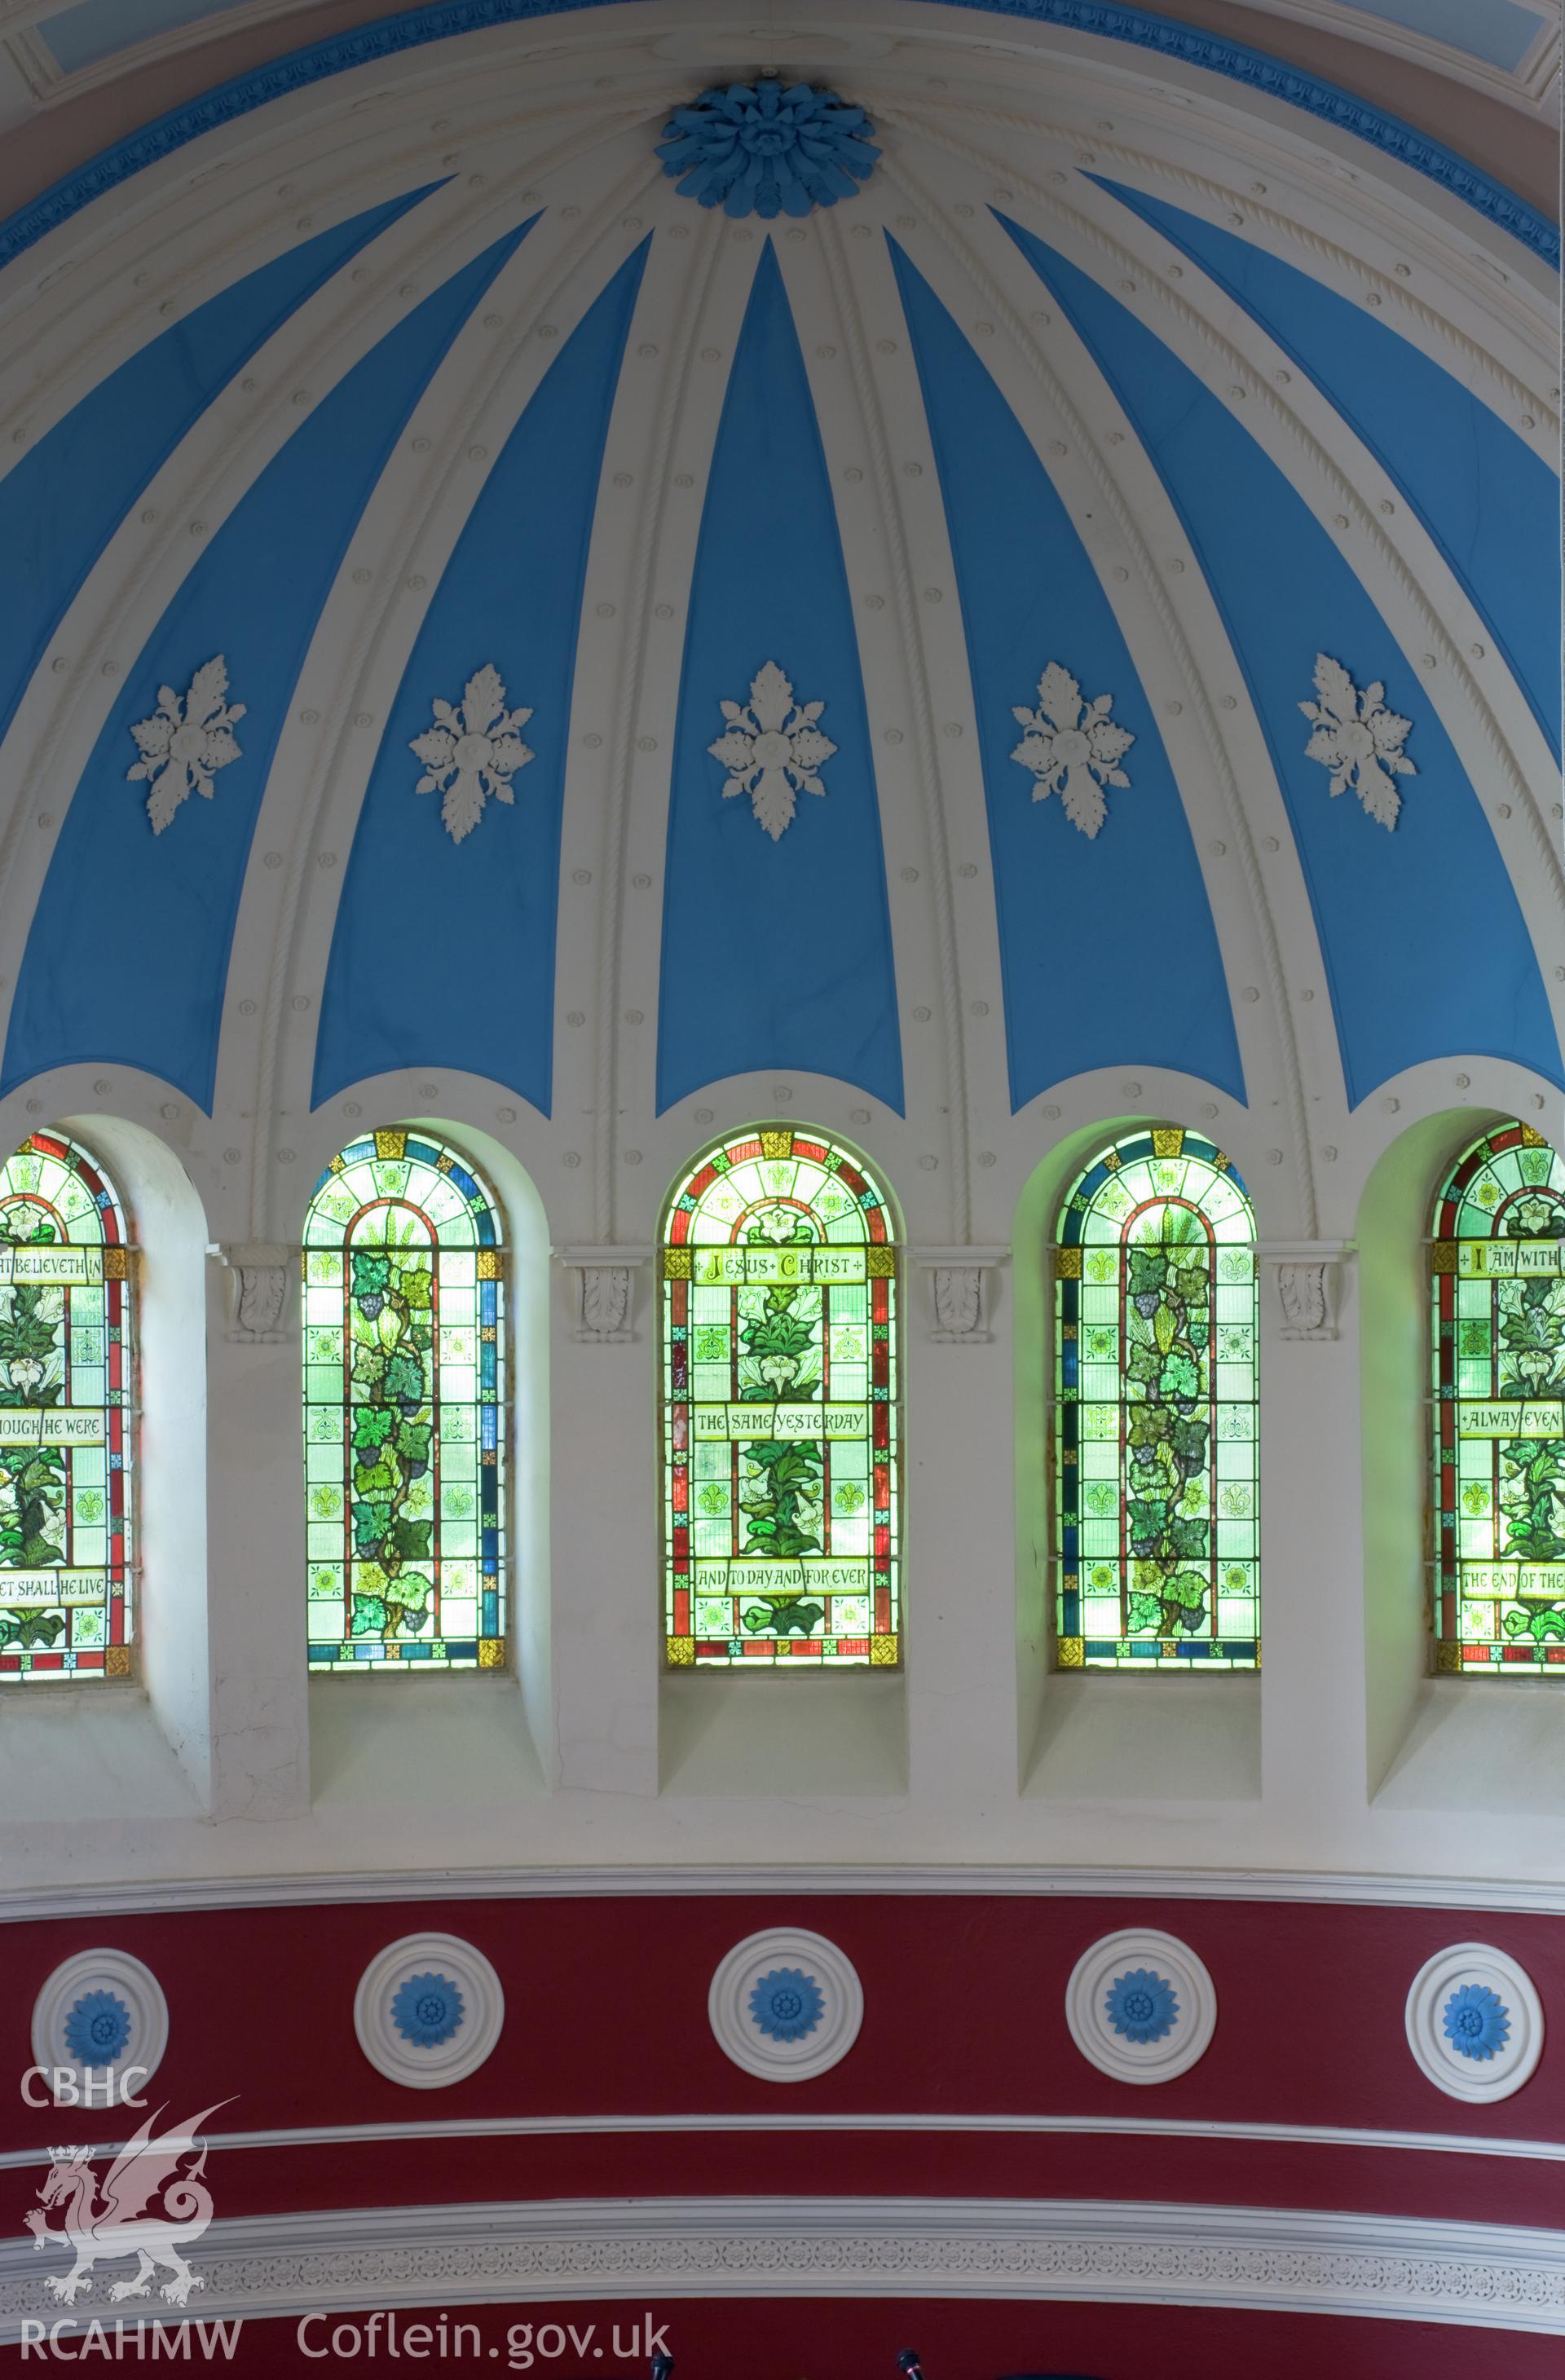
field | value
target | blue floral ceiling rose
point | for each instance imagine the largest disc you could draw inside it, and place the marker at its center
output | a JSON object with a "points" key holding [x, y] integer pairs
{"points": [[787, 2004], [100, 2012], [98, 2029], [1474, 2022], [766, 149], [427, 2009], [1142, 2005]]}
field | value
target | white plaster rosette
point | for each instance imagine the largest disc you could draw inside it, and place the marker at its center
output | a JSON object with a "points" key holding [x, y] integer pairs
{"points": [[1493, 2003], [129, 2001], [752, 2015], [1164, 2027], [403, 2032]]}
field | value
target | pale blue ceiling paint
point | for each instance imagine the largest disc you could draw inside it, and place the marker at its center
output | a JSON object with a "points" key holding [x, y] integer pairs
{"points": [[127, 956], [420, 912], [1501, 32], [1065, 902], [1491, 504], [1425, 949], [96, 28], [775, 953], [61, 504]]}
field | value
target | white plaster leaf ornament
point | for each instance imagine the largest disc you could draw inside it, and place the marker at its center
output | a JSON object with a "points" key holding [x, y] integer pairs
{"points": [[1073, 747], [1358, 739], [473, 752], [773, 749], [186, 741]]}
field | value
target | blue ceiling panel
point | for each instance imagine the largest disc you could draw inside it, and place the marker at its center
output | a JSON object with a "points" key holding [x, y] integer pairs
{"points": [[1030, 596], [61, 504], [1425, 948], [1491, 504], [510, 598], [127, 956], [777, 951]]}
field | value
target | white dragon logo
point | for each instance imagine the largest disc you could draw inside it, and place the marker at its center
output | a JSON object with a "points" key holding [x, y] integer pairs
{"points": [[146, 2207]]}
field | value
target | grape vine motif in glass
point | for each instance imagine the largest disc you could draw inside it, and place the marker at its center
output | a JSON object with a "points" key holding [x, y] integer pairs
{"points": [[1498, 1384], [65, 1429], [1156, 1458], [404, 1389], [780, 1423]]}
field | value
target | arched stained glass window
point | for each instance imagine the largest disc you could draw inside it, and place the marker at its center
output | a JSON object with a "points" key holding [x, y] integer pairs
{"points": [[781, 1438], [65, 1418], [404, 1389], [1156, 1526], [1499, 1407]]}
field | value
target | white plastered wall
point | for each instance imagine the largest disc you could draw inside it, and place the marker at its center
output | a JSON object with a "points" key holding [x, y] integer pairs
{"points": [[1335, 1758]]}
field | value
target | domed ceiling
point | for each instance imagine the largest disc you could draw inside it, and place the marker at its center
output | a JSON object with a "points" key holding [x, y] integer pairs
{"points": [[1056, 571]]}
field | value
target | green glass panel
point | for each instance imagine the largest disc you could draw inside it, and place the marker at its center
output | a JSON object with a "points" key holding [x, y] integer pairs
{"points": [[781, 1419], [1154, 1442], [1498, 1379], [404, 1387]]}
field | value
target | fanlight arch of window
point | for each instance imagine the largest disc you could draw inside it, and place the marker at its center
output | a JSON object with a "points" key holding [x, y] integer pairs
{"points": [[1157, 1462], [66, 1418], [781, 1436], [404, 1402], [1499, 1390]]}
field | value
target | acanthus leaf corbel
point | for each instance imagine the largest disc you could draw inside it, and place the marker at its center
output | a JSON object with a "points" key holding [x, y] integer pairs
{"points": [[261, 1278], [959, 1293], [604, 1293], [1307, 1278]]}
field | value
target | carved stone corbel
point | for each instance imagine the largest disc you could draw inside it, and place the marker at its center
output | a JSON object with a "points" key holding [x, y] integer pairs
{"points": [[1307, 1276], [262, 1277], [958, 1293], [604, 1293]]}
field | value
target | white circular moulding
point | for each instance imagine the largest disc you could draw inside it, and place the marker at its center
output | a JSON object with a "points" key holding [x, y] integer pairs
{"points": [[1141, 2005], [428, 2010], [1474, 2022], [785, 2004], [102, 2019]]}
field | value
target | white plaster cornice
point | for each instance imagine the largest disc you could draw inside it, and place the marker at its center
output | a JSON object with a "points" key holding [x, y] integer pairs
{"points": [[568, 2127], [339, 2261], [1542, 1896]]}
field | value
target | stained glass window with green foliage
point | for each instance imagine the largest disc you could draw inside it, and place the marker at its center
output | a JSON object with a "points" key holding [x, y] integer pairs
{"points": [[1156, 1456], [67, 1375], [404, 1388], [1498, 1385], [781, 1433]]}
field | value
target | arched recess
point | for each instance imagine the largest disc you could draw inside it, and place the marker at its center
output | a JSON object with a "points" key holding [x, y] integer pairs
{"points": [[781, 1437], [1097, 1732], [1497, 1325], [67, 1418], [1433, 1740], [166, 1410], [1156, 1413], [489, 1731], [406, 1395]]}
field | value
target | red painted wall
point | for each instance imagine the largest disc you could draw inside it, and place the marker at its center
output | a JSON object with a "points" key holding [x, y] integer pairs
{"points": [[963, 2014]]}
